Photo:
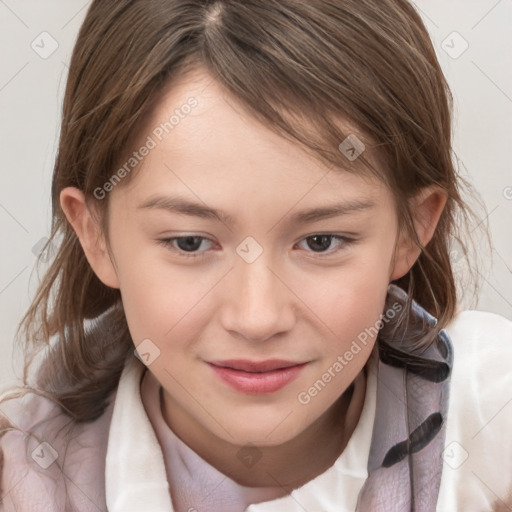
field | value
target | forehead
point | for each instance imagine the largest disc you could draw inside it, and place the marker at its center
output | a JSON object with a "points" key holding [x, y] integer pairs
{"points": [[205, 143]]}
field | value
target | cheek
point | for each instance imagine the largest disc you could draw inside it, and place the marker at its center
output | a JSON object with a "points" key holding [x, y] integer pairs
{"points": [[159, 300], [351, 297], [353, 316]]}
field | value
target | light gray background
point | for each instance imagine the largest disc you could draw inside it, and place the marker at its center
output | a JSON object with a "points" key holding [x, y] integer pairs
{"points": [[31, 89]]}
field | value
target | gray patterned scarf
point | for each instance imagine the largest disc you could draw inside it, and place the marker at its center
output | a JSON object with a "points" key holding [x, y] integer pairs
{"points": [[405, 462]]}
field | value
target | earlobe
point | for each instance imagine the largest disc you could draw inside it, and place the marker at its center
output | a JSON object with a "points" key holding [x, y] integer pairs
{"points": [[426, 208], [88, 231]]}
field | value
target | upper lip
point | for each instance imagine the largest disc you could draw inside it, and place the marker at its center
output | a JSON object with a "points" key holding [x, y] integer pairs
{"points": [[256, 366]]}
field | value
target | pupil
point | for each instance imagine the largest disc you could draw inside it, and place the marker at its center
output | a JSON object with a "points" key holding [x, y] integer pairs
{"points": [[189, 243], [321, 242]]}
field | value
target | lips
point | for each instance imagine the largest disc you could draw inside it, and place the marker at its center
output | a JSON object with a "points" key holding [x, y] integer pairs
{"points": [[257, 377], [255, 366]]}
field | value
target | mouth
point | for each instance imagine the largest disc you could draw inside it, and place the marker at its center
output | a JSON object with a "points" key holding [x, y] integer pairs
{"points": [[256, 366], [257, 377]]}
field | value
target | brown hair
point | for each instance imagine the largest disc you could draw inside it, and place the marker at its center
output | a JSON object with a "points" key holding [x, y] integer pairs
{"points": [[292, 63]]}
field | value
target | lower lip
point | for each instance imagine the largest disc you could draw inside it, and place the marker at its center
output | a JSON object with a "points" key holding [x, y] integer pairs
{"points": [[258, 383]]}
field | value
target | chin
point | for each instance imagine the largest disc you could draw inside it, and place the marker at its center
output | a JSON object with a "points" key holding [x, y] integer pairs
{"points": [[271, 431]]}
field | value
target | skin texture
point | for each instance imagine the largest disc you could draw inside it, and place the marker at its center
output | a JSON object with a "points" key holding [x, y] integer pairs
{"points": [[297, 301]]}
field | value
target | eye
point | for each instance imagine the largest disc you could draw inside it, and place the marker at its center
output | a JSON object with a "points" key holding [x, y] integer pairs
{"points": [[321, 243], [186, 246]]}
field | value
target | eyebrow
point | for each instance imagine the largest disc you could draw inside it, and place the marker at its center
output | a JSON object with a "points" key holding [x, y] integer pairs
{"points": [[186, 207]]}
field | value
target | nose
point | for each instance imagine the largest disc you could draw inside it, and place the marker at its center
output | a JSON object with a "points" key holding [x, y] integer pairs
{"points": [[258, 304]]}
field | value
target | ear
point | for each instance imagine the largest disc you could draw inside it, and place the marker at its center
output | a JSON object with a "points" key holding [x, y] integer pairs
{"points": [[426, 207], [90, 234]]}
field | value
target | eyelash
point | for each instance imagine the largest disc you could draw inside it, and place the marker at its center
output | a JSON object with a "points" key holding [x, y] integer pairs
{"points": [[168, 244]]}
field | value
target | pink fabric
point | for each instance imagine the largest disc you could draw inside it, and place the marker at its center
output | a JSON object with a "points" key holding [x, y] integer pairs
{"points": [[194, 483], [32, 481]]}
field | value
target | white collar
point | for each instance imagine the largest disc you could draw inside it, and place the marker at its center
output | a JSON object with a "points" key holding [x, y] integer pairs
{"points": [[135, 477]]}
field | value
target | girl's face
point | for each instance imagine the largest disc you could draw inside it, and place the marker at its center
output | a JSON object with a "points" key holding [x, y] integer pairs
{"points": [[233, 247]]}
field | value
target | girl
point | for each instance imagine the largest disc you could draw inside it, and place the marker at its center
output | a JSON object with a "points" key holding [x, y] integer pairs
{"points": [[259, 198]]}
